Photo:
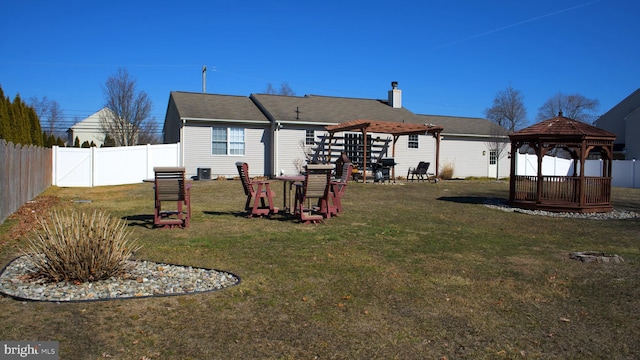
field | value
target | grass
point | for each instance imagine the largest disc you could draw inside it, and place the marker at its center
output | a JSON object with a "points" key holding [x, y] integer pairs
{"points": [[415, 271]]}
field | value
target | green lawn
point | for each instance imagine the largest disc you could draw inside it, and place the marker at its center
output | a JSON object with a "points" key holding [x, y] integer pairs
{"points": [[411, 271]]}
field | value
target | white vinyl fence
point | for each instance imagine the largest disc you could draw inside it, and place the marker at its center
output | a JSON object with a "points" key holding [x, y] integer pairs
{"points": [[86, 167], [624, 173]]}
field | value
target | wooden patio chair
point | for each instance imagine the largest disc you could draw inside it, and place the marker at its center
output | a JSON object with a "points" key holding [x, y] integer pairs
{"points": [[336, 189], [315, 187], [170, 186], [259, 191], [419, 172]]}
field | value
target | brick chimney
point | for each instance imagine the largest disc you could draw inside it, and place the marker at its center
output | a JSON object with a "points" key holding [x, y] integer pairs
{"points": [[395, 96]]}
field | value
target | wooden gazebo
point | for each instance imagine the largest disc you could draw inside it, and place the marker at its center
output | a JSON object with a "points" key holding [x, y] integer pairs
{"points": [[575, 192], [386, 127]]}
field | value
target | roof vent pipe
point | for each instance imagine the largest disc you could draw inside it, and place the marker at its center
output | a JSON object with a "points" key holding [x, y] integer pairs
{"points": [[204, 79]]}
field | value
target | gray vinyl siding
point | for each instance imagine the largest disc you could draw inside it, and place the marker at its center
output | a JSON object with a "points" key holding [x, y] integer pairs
{"points": [[408, 157], [291, 150], [198, 154], [466, 156]]}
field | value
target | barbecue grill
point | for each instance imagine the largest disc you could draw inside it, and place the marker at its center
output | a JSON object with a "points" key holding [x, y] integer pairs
{"points": [[382, 169]]}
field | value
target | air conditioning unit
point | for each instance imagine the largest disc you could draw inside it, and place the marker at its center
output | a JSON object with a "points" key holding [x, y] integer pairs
{"points": [[204, 173]]}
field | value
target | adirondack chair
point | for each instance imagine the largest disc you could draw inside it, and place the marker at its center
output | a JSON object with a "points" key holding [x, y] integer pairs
{"points": [[337, 188], [259, 191], [314, 189], [170, 186], [419, 172]]}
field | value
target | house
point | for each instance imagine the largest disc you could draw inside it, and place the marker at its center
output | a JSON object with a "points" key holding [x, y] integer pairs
{"points": [[275, 134], [215, 131], [624, 121], [89, 129]]}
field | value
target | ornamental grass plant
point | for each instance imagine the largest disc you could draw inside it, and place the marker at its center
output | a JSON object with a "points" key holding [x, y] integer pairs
{"points": [[79, 246]]}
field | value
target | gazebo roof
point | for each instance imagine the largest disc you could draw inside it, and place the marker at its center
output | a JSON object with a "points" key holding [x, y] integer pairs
{"points": [[562, 127], [385, 127]]}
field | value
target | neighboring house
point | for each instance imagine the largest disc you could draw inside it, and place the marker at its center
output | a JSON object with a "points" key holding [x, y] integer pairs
{"points": [[89, 129], [274, 133], [624, 121], [473, 146], [215, 131]]}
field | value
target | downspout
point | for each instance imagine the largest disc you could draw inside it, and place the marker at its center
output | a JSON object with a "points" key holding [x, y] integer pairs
{"points": [[184, 123], [275, 148]]}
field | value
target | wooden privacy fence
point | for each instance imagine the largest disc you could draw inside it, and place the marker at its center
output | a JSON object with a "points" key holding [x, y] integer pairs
{"points": [[25, 172]]}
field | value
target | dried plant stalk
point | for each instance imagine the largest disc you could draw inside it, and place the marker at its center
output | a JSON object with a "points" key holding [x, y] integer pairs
{"points": [[76, 246]]}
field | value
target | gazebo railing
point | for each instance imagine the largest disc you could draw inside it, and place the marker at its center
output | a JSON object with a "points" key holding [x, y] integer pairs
{"points": [[562, 190]]}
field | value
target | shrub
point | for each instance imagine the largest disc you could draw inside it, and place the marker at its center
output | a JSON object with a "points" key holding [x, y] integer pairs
{"points": [[79, 247], [446, 173]]}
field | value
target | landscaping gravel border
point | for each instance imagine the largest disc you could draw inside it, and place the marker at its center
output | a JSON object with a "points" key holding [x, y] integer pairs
{"points": [[144, 279], [615, 214]]}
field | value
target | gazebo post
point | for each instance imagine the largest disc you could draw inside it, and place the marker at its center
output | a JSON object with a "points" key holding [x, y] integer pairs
{"points": [[512, 171], [540, 180], [582, 182]]}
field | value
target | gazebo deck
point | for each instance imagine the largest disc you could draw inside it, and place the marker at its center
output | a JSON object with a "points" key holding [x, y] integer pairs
{"points": [[563, 193]]}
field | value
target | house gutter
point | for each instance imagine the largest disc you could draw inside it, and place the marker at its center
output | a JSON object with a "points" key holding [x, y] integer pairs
{"points": [[227, 121], [475, 135], [306, 123]]}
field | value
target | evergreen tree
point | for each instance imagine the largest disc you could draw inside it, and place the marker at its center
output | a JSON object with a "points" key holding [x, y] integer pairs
{"points": [[4, 116], [21, 125], [34, 125], [51, 140], [85, 144], [76, 143], [19, 122]]}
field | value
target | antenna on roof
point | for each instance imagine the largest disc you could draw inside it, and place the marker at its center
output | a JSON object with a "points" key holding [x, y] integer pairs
{"points": [[204, 79]]}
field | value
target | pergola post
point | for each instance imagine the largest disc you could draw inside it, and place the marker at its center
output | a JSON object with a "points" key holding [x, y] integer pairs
{"points": [[437, 136]]}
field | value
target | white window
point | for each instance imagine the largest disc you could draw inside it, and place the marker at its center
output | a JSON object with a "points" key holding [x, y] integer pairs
{"points": [[413, 141], [227, 141], [310, 137], [493, 157]]}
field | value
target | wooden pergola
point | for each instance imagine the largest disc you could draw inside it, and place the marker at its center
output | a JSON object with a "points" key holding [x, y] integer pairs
{"points": [[385, 127], [575, 192]]}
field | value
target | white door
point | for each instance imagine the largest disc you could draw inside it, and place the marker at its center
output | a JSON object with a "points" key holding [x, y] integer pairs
{"points": [[493, 164]]}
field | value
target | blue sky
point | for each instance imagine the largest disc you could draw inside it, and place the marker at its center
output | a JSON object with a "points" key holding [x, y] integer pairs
{"points": [[450, 57]]}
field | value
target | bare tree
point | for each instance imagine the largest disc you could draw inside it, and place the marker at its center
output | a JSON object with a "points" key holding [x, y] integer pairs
{"points": [[50, 115], [130, 109], [574, 106], [285, 90], [508, 110], [150, 133]]}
